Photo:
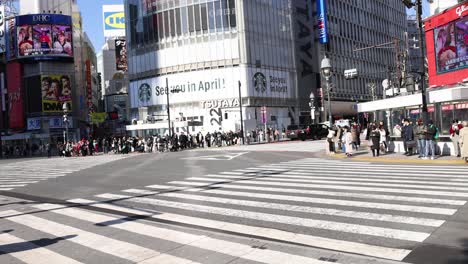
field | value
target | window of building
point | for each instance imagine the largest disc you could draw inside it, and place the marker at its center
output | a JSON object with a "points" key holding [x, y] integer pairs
{"points": [[172, 23], [166, 24], [197, 15], [191, 23], [204, 17], [160, 26], [178, 22], [232, 13], [183, 20], [219, 13], [211, 17]]}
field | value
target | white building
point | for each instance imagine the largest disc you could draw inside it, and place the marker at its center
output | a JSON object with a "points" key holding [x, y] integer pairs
{"points": [[193, 57], [437, 6]]}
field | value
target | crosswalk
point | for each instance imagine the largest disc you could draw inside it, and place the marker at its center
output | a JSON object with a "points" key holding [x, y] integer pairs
{"points": [[21, 174], [286, 146], [342, 212]]}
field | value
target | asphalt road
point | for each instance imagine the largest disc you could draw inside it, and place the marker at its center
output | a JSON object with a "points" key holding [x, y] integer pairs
{"points": [[277, 203]]}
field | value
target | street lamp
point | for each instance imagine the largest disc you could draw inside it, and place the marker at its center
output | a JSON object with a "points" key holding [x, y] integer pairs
{"points": [[65, 122], [312, 107], [326, 70]]}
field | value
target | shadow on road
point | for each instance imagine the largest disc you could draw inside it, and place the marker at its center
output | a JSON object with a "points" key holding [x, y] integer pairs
{"points": [[33, 244]]}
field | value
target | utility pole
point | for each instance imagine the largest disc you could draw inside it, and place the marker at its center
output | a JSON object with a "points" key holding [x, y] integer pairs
{"points": [[241, 116], [418, 6], [423, 62], [167, 106]]}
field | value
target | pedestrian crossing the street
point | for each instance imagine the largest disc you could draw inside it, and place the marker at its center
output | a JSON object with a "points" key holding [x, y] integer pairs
{"points": [[21, 174], [342, 212]]}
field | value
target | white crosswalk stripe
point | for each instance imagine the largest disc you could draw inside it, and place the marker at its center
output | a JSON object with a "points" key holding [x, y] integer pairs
{"points": [[399, 206], [23, 173], [338, 206]]}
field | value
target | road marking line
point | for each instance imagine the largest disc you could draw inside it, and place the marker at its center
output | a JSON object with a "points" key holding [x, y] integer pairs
{"points": [[318, 192], [314, 175], [97, 242], [396, 207], [12, 185], [295, 177], [370, 165], [17, 182], [313, 241], [200, 241], [367, 175], [320, 224], [368, 172], [304, 209], [31, 253], [347, 187]]}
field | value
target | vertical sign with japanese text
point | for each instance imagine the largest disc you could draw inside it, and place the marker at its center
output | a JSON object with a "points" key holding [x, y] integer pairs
{"points": [[322, 21]]}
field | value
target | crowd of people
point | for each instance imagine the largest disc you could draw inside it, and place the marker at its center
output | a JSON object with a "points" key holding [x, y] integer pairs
{"points": [[419, 138]]}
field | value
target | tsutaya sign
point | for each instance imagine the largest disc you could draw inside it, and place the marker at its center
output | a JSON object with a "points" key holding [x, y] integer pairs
{"points": [[222, 103], [211, 87]]}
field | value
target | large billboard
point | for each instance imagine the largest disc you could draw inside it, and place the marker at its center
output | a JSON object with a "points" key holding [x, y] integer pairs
{"points": [[2, 29], [447, 46], [451, 46], [56, 90], [15, 96], [114, 20], [121, 55], [44, 36]]}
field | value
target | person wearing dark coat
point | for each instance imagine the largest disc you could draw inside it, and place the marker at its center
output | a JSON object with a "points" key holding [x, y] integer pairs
{"points": [[408, 137], [374, 138]]}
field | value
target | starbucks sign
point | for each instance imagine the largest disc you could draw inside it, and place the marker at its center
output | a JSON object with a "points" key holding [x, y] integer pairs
{"points": [[144, 92], [260, 82]]}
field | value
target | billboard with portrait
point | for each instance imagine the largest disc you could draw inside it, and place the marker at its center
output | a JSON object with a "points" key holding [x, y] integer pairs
{"points": [[121, 54], [44, 36], [450, 43], [56, 90]]}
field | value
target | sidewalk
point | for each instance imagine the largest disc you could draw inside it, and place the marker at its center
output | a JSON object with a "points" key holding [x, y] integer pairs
{"points": [[365, 154]]}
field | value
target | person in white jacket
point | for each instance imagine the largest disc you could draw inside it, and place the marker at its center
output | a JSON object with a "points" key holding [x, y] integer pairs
{"points": [[348, 140]]}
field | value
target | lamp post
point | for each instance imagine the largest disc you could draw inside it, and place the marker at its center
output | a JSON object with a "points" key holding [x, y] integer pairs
{"points": [[326, 70], [168, 110], [312, 107], [241, 116], [65, 122]]}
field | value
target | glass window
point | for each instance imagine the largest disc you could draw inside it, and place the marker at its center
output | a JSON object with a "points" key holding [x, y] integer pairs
{"points": [[211, 17], [155, 27], [204, 17], [178, 21], [166, 24], [219, 14], [160, 26], [183, 20], [232, 13], [196, 9], [172, 23], [225, 14], [190, 19]]}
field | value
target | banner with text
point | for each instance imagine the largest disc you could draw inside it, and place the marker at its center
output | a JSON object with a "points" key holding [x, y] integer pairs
{"points": [[56, 90]]}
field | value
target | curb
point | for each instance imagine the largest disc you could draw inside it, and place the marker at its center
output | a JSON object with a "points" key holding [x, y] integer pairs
{"points": [[398, 160]]}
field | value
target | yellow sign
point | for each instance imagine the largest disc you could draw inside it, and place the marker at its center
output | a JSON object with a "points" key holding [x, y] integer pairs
{"points": [[97, 118], [114, 20]]}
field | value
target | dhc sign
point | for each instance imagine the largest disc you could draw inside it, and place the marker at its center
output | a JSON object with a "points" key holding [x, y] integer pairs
{"points": [[322, 21], [114, 20]]}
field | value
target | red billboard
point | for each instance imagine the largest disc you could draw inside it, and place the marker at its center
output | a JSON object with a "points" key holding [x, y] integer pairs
{"points": [[447, 46], [15, 96]]}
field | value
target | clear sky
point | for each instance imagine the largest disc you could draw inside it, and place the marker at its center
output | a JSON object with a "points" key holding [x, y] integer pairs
{"points": [[91, 10]]}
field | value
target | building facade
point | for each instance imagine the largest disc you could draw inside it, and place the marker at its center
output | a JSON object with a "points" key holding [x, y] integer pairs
{"points": [[50, 65], [204, 61]]}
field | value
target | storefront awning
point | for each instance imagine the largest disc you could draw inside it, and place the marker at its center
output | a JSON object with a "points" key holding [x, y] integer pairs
{"points": [[459, 93]]}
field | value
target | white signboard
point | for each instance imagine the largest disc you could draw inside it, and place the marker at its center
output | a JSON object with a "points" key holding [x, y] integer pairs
{"points": [[2, 30], [211, 86], [113, 20]]}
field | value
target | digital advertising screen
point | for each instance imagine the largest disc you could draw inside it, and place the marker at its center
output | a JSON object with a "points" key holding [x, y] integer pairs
{"points": [[450, 43], [56, 90], [121, 54], [44, 36]]}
